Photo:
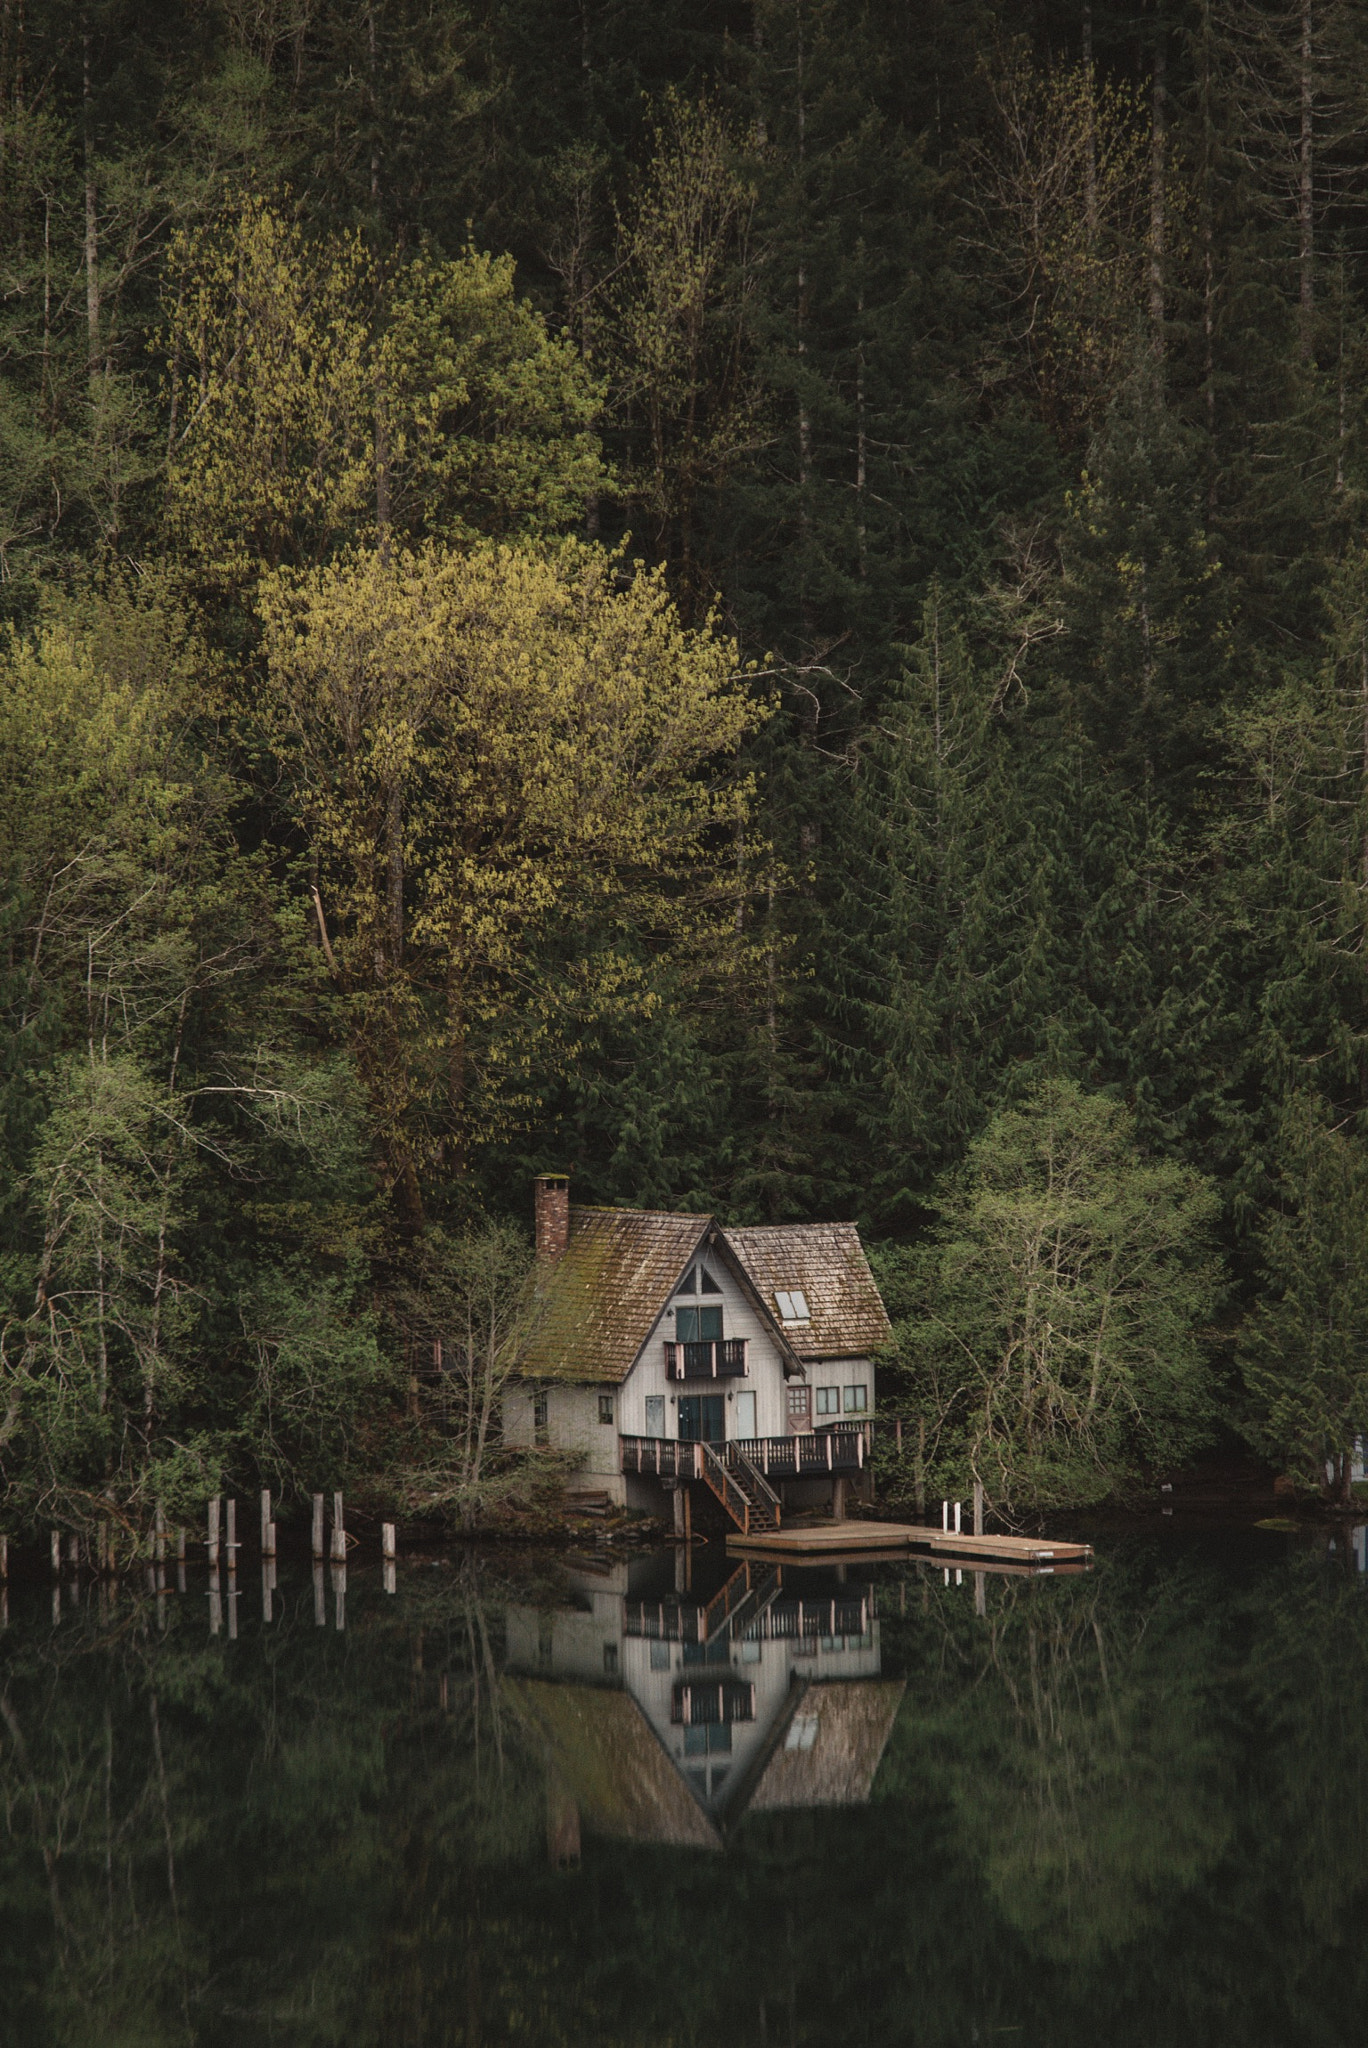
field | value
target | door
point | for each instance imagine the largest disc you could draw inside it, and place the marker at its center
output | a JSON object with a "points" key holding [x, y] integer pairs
{"points": [[798, 1405], [745, 1415], [702, 1418]]}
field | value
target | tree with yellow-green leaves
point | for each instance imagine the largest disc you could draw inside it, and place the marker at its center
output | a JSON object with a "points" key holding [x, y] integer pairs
{"points": [[514, 770], [318, 400]]}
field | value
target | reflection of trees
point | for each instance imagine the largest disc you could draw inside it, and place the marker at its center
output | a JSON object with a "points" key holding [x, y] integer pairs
{"points": [[1077, 1740], [179, 1810], [1130, 1808]]}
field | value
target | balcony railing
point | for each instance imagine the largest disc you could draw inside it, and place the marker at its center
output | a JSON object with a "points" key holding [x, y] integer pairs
{"points": [[707, 1701], [660, 1457], [719, 1358], [777, 1457], [802, 1457]]}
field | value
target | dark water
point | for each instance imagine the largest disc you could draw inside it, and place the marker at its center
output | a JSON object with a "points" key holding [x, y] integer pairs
{"points": [[524, 1801]]}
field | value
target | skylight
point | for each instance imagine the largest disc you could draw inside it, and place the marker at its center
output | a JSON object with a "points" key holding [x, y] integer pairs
{"points": [[793, 1306]]}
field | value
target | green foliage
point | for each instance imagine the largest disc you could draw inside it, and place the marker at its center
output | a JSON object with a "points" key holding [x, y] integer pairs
{"points": [[1057, 1339], [1305, 1344]]}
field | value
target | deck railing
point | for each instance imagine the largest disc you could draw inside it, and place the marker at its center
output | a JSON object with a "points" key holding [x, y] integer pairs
{"points": [[802, 1457], [773, 1457], [718, 1358]]}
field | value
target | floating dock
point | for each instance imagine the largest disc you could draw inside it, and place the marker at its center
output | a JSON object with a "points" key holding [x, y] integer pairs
{"points": [[844, 1542]]}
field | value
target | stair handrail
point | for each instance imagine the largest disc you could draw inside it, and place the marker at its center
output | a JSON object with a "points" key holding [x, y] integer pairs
{"points": [[737, 1457], [713, 1471]]}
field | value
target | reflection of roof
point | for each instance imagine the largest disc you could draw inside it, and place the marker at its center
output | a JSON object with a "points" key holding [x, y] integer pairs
{"points": [[832, 1746], [826, 1263], [606, 1289], [612, 1764]]}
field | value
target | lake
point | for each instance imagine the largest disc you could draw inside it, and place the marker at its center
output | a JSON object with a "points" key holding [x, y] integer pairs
{"points": [[581, 1801]]}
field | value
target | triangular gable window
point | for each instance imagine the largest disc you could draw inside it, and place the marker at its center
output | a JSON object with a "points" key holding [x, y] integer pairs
{"points": [[689, 1284], [706, 1283]]}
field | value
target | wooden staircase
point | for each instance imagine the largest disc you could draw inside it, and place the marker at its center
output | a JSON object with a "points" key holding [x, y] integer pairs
{"points": [[741, 1487]]}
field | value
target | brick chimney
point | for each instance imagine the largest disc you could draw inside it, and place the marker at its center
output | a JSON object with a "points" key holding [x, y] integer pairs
{"points": [[553, 1214]]}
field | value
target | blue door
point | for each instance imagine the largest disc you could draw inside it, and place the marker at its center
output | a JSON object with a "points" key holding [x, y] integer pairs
{"points": [[702, 1418]]}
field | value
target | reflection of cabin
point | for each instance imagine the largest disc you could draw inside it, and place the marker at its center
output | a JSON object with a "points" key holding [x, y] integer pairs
{"points": [[667, 1717], [681, 1357]]}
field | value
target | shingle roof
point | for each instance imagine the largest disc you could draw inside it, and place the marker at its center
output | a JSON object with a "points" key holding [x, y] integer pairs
{"points": [[603, 1294], [826, 1262], [835, 1756]]}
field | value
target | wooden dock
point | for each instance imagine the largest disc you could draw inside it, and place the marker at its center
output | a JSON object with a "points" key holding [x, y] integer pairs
{"points": [[846, 1542]]}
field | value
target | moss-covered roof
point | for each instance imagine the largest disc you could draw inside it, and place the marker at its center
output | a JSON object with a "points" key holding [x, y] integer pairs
{"points": [[600, 1300], [602, 1296], [826, 1263], [607, 1755]]}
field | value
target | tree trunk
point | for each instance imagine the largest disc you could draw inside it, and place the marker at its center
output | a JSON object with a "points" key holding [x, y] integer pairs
{"points": [[1306, 184], [1158, 224]]}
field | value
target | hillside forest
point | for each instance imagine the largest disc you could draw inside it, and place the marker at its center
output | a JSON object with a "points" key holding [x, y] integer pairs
{"points": [[765, 604]]}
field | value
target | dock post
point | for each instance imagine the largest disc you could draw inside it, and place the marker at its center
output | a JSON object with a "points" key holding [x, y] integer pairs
{"points": [[339, 1533], [268, 1539], [215, 1600], [158, 1535], [957, 1518], [318, 1525], [320, 1613], [4, 1557], [215, 1507], [981, 1593], [945, 1518], [978, 1507], [232, 1544], [387, 1551]]}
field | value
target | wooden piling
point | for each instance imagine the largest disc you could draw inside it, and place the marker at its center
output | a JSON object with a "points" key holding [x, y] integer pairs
{"points": [[158, 1536], [215, 1601], [320, 1609], [268, 1534], [978, 1507], [74, 1551], [318, 1525], [897, 1434], [232, 1542], [215, 1506], [180, 1546], [4, 1557], [388, 1547], [339, 1532]]}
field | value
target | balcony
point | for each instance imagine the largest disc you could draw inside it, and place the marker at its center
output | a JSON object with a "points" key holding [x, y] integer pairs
{"points": [[721, 1358], [777, 1457]]}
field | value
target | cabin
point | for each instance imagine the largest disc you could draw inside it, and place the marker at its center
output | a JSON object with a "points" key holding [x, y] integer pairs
{"points": [[697, 1367], [667, 1712]]}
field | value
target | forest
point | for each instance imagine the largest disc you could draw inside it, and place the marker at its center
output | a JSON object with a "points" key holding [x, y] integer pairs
{"points": [[765, 604]]}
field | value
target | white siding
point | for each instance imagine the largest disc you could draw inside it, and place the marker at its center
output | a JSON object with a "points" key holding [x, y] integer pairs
{"points": [[764, 1364]]}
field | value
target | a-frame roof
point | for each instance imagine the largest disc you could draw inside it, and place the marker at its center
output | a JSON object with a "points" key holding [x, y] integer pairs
{"points": [[602, 1297]]}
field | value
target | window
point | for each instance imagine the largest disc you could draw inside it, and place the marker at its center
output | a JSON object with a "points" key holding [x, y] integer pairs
{"points": [[660, 1656], [793, 1306], [689, 1284], [655, 1415], [856, 1400], [799, 1402], [706, 1283], [828, 1400], [698, 1325], [606, 1408]]}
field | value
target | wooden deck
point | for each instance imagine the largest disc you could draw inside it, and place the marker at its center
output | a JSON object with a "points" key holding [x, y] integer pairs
{"points": [[844, 1542]]}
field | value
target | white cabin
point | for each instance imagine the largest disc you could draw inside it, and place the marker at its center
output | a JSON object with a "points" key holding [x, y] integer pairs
{"points": [[676, 1354]]}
